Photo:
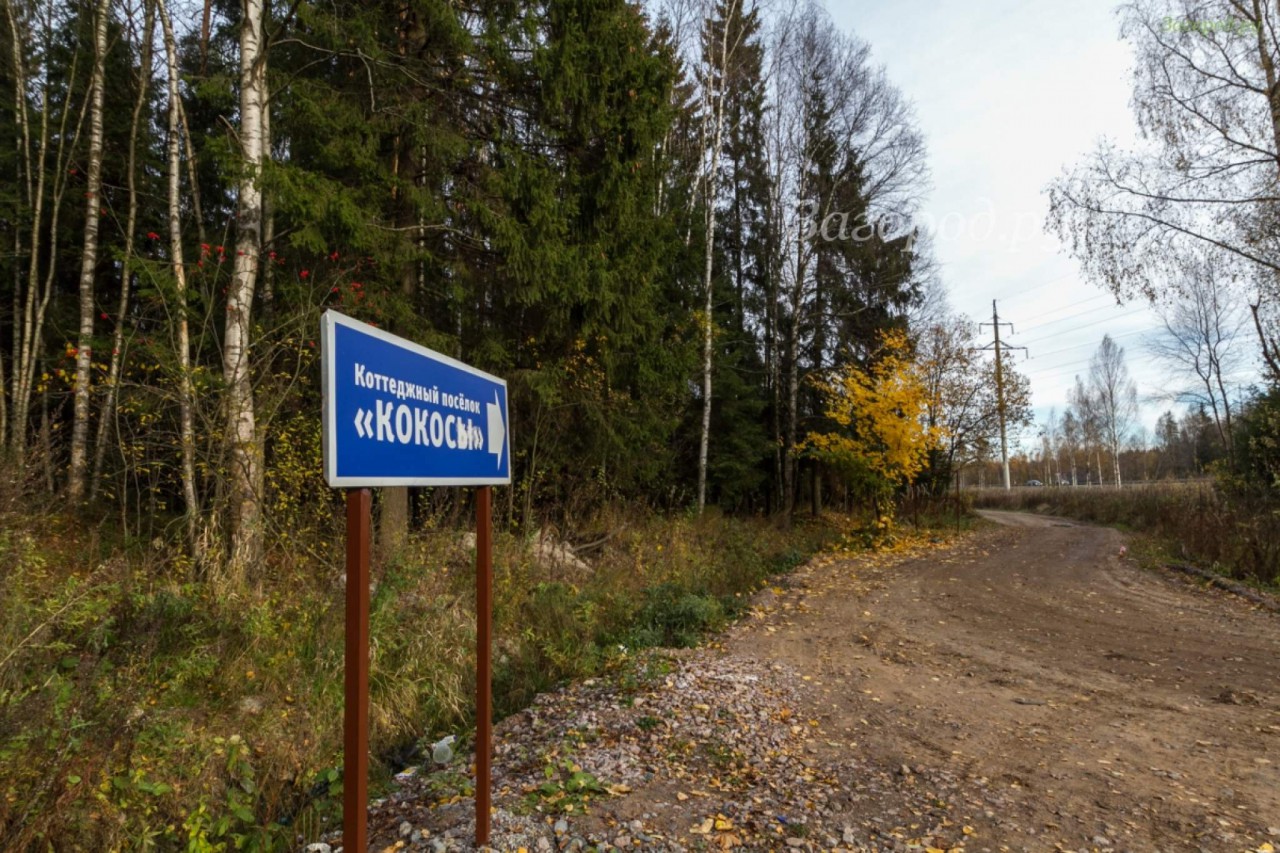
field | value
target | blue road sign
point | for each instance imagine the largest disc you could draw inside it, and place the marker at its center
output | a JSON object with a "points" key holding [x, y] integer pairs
{"points": [[399, 414]]}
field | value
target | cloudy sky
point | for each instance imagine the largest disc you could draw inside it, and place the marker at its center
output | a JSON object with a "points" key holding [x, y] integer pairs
{"points": [[1008, 94]]}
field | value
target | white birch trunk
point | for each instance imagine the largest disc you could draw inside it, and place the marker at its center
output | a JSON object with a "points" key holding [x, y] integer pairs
{"points": [[1115, 459], [24, 296], [193, 184], [186, 394], [708, 320], [268, 213], [78, 468], [793, 396], [126, 265], [22, 145], [244, 475], [30, 309], [790, 470]]}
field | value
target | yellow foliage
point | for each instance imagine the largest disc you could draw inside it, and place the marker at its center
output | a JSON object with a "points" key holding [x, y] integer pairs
{"points": [[880, 414]]}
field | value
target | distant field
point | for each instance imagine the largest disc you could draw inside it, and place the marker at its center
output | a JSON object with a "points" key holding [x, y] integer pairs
{"points": [[1025, 494]]}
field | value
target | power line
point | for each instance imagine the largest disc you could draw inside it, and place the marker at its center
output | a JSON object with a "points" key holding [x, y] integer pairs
{"points": [[1064, 371], [1069, 317], [1088, 325], [1118, 337], [1018, 290]]}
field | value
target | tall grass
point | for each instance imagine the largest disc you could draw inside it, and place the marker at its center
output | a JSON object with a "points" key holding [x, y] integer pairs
{"points": [[139, 710], [1233, 533]]}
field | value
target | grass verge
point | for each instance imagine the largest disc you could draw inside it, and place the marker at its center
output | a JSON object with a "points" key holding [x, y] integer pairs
{"points": [[140, 709]]}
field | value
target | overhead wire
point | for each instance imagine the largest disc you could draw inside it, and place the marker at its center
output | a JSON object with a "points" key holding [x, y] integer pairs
{"points": [[1067, 318], [1019, 290], [1074, 329], [1120, 337], [1065, 371]]}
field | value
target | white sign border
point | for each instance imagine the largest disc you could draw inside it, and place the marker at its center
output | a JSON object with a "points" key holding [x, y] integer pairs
{"points": [[329, 322]]}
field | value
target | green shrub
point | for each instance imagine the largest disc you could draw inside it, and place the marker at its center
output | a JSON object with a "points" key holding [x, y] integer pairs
{"points": [[671, 616]]}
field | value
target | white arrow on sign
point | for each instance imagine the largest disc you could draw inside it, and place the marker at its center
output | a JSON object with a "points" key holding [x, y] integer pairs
{"points": [[364, 428], [497, 433]]}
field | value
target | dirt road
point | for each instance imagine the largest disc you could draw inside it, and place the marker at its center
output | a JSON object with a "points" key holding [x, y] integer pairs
{"points": [[1110, 706], [1027, 689]]}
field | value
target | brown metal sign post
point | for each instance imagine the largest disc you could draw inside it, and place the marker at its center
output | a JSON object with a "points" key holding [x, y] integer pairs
{"points": [[484, 658], [399, 414], [355, 721]]}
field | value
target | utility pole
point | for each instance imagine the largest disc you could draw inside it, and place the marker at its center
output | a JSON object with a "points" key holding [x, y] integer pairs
{"points": [[1000, 407]]}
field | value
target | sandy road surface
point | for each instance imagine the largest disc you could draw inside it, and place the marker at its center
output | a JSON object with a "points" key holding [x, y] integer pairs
{"points": [[1110, 706], [1025, 689]]}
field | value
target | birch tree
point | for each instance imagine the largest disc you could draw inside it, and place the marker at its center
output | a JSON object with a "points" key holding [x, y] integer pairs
{"points": [[1049, 447], [1115, 398], [244, 474], [115, 366], [89, 261], [1069, 443], [43, 162], [186, 395], [883, 436], [1207, 100], [1085, 412], [1198, 340], [720, 45]]}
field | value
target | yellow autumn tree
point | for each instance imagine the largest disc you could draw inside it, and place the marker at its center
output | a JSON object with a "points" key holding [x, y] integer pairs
{"points": [[881, 440]]}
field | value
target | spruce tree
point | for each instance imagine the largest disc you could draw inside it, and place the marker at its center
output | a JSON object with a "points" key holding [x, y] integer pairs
{"points": [[740, 447]]}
